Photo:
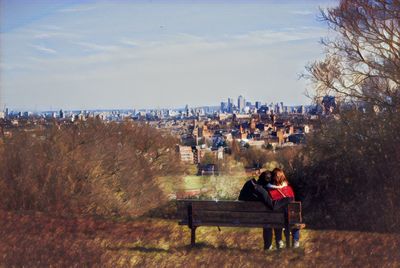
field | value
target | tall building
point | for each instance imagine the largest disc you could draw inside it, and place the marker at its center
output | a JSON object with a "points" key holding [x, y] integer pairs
{"points": [[258, 104], [230, 105], [223, 107], [302, 109], [241, 103], [187, 111]]}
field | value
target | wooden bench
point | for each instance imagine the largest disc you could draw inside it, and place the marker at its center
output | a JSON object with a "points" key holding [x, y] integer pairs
{"points": [[195, 213]]}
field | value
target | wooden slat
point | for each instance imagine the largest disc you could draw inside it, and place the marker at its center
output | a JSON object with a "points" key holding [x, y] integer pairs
{"points": [[230, 206], [256, 225], [237, 217]]}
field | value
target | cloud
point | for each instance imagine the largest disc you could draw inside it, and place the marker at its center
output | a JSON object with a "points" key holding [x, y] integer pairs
{"points": [[76, 9], [302, 12], [44, 49], [129, 42], [60, 35], [96, 47], [270, 37]]}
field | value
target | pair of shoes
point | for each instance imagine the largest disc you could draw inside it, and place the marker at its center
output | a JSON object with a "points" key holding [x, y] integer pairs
{"points": [[296, 244], [280, 245]]}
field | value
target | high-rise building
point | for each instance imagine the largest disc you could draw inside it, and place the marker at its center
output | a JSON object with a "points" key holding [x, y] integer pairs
{"points": [[302, 109], [187, 111], [230, 105], [223, 106], [241, 103], [258, 104]]}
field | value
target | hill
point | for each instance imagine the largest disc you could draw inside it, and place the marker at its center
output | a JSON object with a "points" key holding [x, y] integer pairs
{"points": [[36, 239]]}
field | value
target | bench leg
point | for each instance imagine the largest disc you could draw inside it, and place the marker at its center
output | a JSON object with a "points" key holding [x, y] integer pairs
{"points": [[287, 237], [193, 236]]}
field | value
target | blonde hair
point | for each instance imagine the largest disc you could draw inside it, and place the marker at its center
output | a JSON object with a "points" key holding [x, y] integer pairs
{"points": [[278, 176]]}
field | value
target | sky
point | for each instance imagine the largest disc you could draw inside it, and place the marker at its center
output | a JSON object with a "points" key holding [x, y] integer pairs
{"points": [[70, 54]]}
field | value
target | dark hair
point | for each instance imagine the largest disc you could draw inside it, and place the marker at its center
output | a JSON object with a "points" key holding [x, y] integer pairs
{"points": [[278, 176], [264, 178]]}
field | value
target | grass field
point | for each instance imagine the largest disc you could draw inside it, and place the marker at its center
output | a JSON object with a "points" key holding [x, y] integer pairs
{"points": [[214, 187], [37, 240]]}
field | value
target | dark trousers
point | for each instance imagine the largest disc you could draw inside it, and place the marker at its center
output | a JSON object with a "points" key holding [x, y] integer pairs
{"points": [[267, 235]]}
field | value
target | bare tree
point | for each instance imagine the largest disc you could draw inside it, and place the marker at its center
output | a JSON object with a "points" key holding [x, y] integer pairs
{"points": [[363, 62]]}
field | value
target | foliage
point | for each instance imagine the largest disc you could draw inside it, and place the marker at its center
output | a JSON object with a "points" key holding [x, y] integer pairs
{"points": [[86, 168], [351, 161], [352, 171], [208, 159]]}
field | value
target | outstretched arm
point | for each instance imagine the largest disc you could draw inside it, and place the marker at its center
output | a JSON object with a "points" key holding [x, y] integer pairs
{"points": [[264, 195]]}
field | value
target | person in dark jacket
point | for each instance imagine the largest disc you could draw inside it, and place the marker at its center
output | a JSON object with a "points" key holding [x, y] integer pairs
{"points": [[255, 190]]}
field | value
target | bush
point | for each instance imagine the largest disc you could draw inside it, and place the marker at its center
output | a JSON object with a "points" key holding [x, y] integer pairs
{"points": [[351, 171], [87, 168]]}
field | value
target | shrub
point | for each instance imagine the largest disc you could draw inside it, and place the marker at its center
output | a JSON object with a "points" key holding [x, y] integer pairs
{"points": [[86, 168]]}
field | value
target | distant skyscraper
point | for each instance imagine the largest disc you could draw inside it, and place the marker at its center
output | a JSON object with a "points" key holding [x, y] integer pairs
{"points": [[61, 114], [277, 108], [248, 103], [241, 103], [187, 110], [223, 107], [258, 104], [230, 105]]}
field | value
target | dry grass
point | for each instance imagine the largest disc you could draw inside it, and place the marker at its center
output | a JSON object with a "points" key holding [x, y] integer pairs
{"points": [[35, 239]]}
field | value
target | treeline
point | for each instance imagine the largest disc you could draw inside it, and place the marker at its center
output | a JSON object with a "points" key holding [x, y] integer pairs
{"points": [[87, 168]]}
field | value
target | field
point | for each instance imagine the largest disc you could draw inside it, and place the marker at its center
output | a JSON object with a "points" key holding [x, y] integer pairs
{"points": [[35, 239], [208, 187]]}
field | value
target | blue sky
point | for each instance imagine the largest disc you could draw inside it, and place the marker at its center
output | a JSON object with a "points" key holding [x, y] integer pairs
{"points": [[155, 54]]}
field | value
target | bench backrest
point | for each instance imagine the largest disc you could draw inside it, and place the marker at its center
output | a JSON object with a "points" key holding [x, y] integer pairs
{"points": [[234, 213]]}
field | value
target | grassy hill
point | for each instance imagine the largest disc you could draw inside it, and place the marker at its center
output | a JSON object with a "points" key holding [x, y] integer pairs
{"points": [[36, 239]]}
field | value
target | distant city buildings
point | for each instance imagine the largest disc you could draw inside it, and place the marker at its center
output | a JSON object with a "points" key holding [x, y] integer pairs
{"points": [[241, 103]]}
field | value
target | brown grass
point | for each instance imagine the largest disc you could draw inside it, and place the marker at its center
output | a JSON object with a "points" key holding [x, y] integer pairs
{"points": [[35, 239]]}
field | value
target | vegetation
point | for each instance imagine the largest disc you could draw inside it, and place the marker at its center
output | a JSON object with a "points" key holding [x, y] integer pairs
{"points": [[37, 240], [351, 161], [87, 168]]}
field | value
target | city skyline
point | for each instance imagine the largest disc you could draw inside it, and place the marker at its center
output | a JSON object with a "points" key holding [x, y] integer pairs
{"points": [[142, 54]]}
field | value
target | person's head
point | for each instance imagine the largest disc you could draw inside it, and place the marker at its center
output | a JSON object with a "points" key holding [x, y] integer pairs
{"points": [[264, 178], [278, 176]]}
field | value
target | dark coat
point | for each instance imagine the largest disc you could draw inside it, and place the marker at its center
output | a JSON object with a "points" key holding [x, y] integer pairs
{"points": [[251, 191], [248, 192]]}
